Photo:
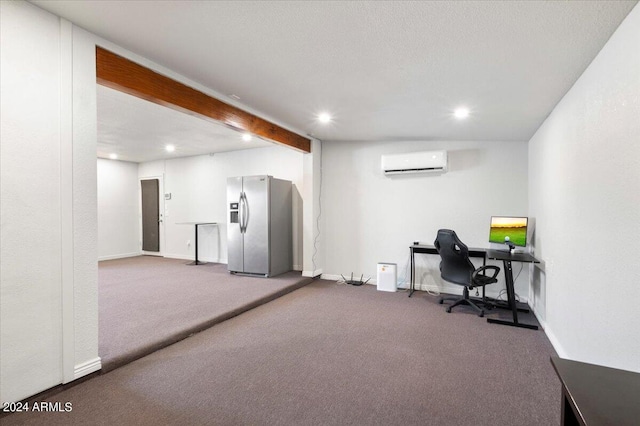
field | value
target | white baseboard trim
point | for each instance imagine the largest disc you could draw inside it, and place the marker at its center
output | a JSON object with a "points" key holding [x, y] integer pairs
{"points": [[329, 277], [119, 256], [209, 259], [453, 289], [87, 367], [456, 289], [180, 256], [312, 273], [550, 335], [192, 258], [297, 267], [444, 288], [333, 277], [554, 342]]}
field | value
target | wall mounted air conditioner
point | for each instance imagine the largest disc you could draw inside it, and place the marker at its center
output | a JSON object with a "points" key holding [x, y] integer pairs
{"points": [[415, 162]]}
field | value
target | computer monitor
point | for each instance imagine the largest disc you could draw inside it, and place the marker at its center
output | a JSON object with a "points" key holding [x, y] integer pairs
{"points": [[509, 230]]}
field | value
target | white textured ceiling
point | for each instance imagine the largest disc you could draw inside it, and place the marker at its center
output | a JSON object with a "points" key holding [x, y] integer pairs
{"points": [[385, 70], [138, 130]]}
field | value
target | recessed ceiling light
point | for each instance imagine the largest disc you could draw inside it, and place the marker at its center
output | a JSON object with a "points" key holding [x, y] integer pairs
{"points": [[113, 156], [170, 148], [461, 113], [246, 137], [324, 117]]}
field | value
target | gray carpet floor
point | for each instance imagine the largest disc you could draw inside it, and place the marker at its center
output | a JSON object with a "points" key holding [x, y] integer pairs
{"points": [[329, 354], [146, 302]]}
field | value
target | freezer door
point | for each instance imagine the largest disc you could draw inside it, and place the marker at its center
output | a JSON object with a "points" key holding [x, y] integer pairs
{"points": [[256, 223], [235, 262]]}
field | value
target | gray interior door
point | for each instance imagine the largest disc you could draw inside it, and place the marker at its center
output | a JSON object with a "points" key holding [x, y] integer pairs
{"points": [[150, 215], [256, 234]]}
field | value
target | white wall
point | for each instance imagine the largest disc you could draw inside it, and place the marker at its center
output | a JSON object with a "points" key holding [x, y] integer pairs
{"points": [[370, 218], [118, 209], [48, 185], [198, 187], [30, 240], [584, 188]]}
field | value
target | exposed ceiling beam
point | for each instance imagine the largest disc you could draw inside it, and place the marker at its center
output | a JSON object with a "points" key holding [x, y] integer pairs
{"points": [[120, 73]]}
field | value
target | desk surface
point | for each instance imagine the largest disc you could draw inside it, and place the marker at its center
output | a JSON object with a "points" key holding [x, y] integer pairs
{"points": [[427, 248], [430, 249], [515, 257], [600, 395]]}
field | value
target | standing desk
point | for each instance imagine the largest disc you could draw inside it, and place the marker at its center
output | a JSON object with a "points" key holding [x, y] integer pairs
{"points": [[429, 249], [196, 224], [507, 258]]}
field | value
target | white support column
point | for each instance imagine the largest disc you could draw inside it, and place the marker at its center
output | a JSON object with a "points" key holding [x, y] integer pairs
{"points": [[66, 198], [312, 251]]}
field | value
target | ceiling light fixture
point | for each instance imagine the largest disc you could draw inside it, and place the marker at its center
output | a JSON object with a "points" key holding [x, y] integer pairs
{"points": [[324, 117], [113, 156], [170, 148], [461, 113], [246, 137]]}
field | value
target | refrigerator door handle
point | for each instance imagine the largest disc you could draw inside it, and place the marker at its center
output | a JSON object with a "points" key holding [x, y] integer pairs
{"points": [[245, 212], [241, 212]]}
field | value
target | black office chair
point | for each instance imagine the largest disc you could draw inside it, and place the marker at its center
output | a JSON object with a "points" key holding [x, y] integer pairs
{"points": [[456, 268]]}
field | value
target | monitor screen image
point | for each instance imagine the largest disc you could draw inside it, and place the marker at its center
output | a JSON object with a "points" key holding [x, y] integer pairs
{"points": [[508, 229]]}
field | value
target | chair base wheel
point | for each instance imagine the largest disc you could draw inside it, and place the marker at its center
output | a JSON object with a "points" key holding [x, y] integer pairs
{"points": [[465, 300]]}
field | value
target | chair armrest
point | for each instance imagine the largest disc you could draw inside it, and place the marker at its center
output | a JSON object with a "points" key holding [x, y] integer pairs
{"points": [[482, 269]]}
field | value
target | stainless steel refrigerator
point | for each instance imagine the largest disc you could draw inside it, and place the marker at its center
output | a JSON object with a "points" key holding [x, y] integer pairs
{"points": [[259, 225]]}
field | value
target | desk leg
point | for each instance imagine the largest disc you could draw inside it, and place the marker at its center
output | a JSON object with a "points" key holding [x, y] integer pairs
{"points": [[196, 261], [196, 245], [412, 286], [568, 416], [511, 297]]}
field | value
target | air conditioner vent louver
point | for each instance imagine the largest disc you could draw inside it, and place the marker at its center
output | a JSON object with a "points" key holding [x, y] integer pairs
{"points": [[415, 162]]}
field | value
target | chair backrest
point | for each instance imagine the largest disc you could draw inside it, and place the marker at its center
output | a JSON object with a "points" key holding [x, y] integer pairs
{"points": [[455, 266]]}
